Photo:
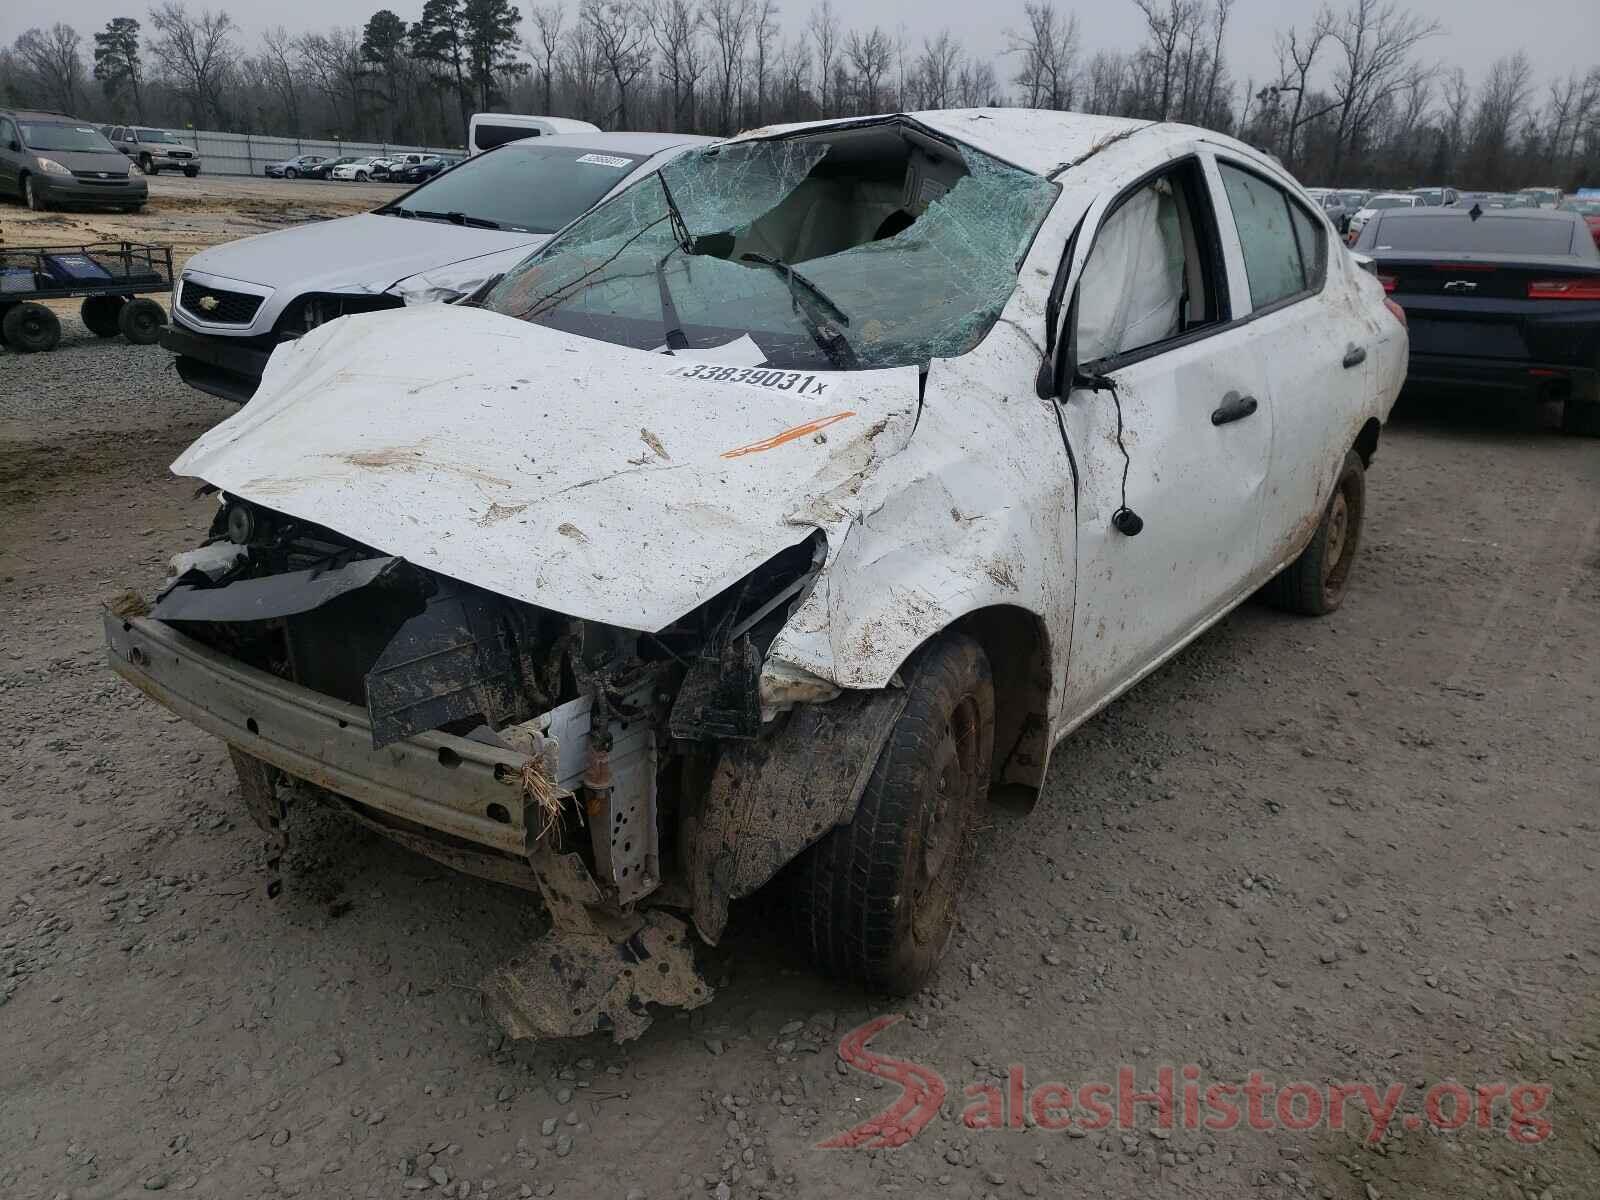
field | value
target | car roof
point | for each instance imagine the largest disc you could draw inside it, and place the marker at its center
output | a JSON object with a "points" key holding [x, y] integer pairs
{"points": [[625, 143], [41, 114]]}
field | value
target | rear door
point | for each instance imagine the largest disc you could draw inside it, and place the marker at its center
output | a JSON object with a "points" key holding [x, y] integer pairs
{"points": [[1318, 349], [1171, 443], [10, 160]]}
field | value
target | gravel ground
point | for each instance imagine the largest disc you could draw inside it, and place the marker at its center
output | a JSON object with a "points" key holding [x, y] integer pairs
{"points": [[1357, 849]]}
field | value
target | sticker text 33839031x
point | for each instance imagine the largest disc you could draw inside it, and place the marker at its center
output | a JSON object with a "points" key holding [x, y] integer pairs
{"points": [[784, 381]]}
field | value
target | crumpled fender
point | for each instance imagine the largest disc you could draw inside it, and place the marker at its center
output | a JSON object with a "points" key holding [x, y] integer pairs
{"points": [[771, 798]]}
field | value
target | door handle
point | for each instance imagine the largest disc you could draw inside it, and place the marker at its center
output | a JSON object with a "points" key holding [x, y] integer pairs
{"points": [[1354, 357], [1234, 407]]}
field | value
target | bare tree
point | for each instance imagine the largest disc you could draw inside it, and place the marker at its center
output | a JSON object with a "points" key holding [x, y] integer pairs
{"points": [[729, 23], [332, 62], [871, 55], [764, 27], [1047, 53], [54, 58], [823, 26], [281, 70], [547, 19], [1502, 101], [1376, 39], [196, 53], [619, 31], [675, 26], [1297, 54], [936, 70], [1219, 29], [1168, 21]]}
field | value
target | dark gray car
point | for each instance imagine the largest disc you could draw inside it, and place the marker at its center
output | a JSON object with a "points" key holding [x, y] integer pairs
{"points": [[50, 158]]}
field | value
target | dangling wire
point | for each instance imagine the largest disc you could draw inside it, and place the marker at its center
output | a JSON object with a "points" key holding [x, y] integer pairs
{"points": [[1125, 520]]}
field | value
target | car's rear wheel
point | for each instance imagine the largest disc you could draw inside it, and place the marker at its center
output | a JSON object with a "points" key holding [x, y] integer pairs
{"points": [[31, 195], [875, 900], [1314, 584], [100, 314], [141, 320], [1581, 417], [31, 328]]}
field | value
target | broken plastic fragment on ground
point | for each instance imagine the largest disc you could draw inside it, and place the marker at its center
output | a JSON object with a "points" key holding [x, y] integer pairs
{"points": [[904, 255]]}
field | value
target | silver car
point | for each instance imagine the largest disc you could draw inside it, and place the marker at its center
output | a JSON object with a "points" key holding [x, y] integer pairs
{"points": [[439, 241], [155, 150]]}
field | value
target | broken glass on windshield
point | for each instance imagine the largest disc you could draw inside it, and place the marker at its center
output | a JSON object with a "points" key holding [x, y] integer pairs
{"points": [[872, 246]]}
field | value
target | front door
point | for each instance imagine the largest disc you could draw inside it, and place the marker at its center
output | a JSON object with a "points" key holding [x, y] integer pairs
{"points": [[1169, 508]]}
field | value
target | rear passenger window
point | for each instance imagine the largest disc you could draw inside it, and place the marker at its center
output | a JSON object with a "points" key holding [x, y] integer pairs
{"points": [[1285, 250]]}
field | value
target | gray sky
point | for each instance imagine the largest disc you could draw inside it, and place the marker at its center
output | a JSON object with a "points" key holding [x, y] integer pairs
{"points": [[1559, 35]]}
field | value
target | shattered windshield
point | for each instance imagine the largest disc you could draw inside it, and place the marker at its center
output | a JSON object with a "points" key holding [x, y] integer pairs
{"points": [[855, 248]]}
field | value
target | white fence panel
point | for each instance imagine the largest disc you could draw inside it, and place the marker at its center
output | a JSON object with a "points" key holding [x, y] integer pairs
{"points": [[249, 154]]}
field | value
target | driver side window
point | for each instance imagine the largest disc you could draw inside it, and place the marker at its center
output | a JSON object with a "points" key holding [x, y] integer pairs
{"points": [[1151, 276]]}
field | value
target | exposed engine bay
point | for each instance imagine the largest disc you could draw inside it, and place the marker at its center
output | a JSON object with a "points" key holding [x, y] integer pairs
{"points": [[614, 717]]}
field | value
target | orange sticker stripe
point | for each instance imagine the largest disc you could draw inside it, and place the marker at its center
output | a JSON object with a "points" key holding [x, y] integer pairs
{"points": [[788, 435]]}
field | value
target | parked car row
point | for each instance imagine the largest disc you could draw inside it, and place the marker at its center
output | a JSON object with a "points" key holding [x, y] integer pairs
{"points": [[570, 580], [399, 168]]}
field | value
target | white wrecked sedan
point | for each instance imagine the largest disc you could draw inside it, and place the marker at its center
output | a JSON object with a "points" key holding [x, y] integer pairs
{"points": [[771, 518]]}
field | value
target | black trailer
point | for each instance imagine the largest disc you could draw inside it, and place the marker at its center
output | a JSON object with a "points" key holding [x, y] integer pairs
{"points": [[107, 275]]}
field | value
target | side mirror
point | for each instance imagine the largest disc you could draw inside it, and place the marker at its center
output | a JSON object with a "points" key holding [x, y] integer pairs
{"points": [[16, 146], [1062, 362]]}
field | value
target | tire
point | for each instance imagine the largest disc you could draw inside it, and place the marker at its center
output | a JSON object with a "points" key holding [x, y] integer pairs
{"points": [[1313, 585], [875, 900], [31, 328], [147, 167], [361, 176], [4, 309], [31, 196], [100, 314], [191, 172], [1581, 417], [133, 208], [141, 320], [290, 173]]}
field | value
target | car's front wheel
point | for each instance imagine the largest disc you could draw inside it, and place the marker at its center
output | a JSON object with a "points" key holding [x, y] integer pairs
{"points": [[191, 172], [361, 176], [31, 195], [146, 165], [1314, 584], [290, 173], [875, 899]]}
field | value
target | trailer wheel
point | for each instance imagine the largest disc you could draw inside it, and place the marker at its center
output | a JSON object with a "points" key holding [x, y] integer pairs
{"points": [[31, 328], [141, 320], [100, 314]]}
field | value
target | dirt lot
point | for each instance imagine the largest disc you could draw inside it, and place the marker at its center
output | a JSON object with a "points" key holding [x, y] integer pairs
{"points": [[1362, 849], [191, 214]]}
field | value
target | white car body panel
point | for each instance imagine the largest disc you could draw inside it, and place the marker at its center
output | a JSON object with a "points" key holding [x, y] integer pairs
{"points": [[517, 458], [370, 254]]}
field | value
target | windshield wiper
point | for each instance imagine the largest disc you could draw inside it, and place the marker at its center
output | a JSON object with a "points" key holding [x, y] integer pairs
{"points": [[670, 321], [832, 342], [680, 227], [455, 218]]}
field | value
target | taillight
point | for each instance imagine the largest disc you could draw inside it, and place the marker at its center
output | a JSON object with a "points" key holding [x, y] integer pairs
{"points": [[1564, 289], [1389, 282], [1399, 313]]}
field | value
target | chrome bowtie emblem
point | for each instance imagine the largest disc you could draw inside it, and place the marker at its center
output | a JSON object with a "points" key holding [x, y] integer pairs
{"points": [[209, 303], [1461, 285]]}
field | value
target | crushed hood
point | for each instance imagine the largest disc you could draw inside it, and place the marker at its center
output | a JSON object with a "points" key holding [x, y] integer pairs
{"points": [[606, 483], [364, 253]]}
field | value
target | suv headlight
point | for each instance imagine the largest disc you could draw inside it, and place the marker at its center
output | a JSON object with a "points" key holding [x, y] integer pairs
{"points": [[51, 167]]}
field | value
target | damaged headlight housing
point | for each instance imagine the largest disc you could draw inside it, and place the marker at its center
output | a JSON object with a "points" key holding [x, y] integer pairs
{"points": [[784, 685]]}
